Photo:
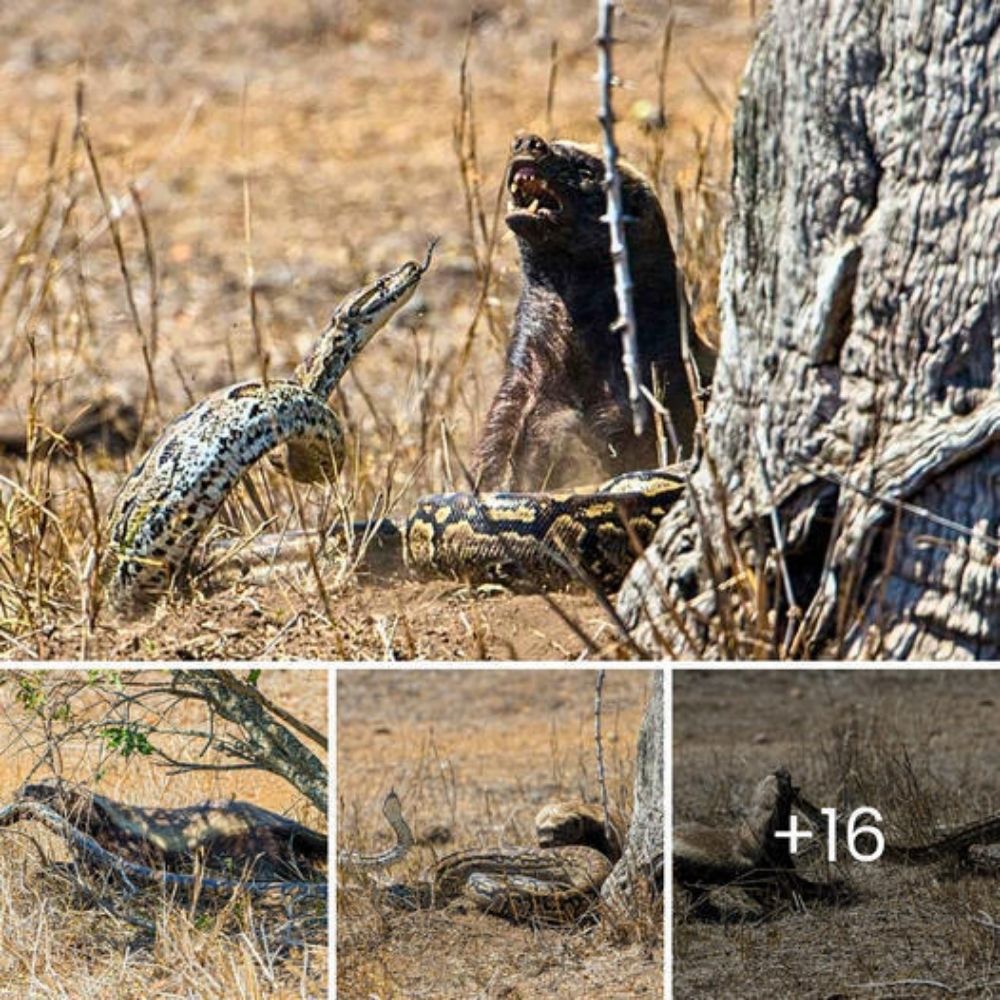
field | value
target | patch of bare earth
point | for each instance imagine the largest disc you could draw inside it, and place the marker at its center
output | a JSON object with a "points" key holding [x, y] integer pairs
{"points": [[402, 621], [473, 756], [919, 746]]}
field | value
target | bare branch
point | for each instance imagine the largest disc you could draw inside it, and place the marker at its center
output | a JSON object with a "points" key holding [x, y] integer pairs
{"points": [[601, 776], [626, 324]]}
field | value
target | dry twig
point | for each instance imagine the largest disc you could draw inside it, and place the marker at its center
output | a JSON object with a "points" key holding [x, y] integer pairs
{"points": [[626, 324]]}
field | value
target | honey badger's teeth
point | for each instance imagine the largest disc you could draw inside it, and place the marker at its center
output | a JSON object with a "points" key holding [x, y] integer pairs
{"points": [[532, 193]]}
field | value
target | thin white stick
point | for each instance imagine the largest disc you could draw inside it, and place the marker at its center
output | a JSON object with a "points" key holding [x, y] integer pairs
{"points": [[601, 776], [615, 218]]}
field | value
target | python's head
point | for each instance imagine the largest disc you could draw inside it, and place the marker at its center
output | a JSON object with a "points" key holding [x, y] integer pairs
{"points": [[373, 304]]}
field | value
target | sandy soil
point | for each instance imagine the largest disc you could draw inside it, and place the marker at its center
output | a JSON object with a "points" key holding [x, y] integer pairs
{"points": [[473, 756], [296, 149], [920, 746], [402, 621]]}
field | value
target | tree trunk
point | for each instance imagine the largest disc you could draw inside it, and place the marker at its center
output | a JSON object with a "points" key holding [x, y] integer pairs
{"points": [[855, 419], [639, 872]]}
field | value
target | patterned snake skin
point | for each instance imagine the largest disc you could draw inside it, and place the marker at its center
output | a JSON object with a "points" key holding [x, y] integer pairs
{"points": [[557, 882]]}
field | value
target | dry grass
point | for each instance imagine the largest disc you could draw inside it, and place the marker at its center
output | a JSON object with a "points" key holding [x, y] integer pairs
{"points": [[66, 935], [473, 756], [255, 164], [918, 746]]}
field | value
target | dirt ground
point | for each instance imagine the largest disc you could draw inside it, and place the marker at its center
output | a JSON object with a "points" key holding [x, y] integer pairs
{"points": [[473, 755], [296, 149], [921, 747], [405, 621], [56, 941]]}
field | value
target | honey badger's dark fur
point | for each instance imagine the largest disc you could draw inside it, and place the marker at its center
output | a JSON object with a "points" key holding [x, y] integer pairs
{"points": [[562, 823], [236, 836], [749, 860], [564, 377]]}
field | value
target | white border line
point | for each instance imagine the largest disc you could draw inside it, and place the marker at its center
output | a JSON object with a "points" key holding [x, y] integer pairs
{"points": [[332, 826], [668, 826]]}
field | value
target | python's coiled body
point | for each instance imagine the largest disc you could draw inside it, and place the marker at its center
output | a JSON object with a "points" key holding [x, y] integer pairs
{"points": [[171, 496], [535, 884], [526, 541], [533, 541], [175, 491], [557, 882]]}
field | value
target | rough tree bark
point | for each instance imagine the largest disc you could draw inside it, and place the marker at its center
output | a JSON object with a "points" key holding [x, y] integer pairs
{"points": [[857, 395], [640, 868]]}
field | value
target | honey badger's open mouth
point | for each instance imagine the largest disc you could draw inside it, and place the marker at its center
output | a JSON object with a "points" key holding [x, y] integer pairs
{"points": [[531, 195]]}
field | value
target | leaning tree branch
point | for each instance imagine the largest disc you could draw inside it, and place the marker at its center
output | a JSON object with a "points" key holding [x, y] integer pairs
{"points": [[268, 743], [253, 692], [616, 218]]}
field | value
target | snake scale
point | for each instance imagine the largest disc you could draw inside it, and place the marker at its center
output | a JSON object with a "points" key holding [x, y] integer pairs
{"points": [[558, 881], [523, 540]]}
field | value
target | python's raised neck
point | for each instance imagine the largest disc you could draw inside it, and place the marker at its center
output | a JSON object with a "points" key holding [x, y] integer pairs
{"points": [[355, 321]]}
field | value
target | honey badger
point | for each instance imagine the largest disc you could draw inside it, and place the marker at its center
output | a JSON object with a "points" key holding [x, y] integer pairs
{"points": [[713, 856], [563, 383], [562, 823], [741, 872]]}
